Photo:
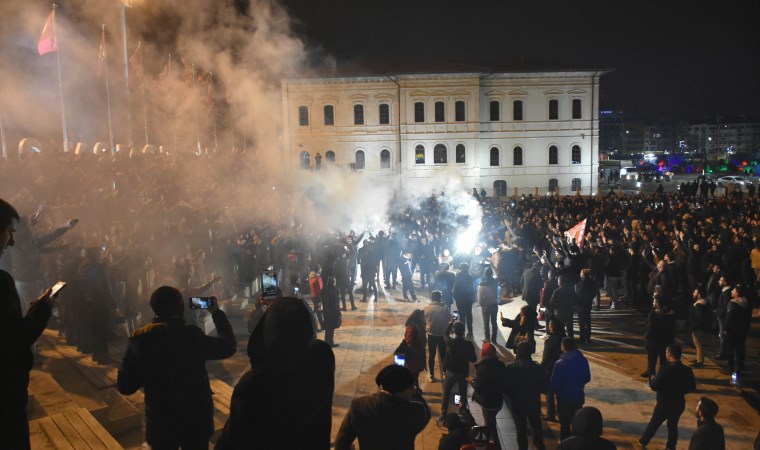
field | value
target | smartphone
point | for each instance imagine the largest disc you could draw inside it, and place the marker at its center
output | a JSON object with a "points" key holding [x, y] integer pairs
{"points": [[399, 360], [57, 288], [269, 283], [456, 315], [201, 302], [457, 399]]}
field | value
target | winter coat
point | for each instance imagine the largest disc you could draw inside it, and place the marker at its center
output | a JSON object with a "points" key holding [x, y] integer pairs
{"points": [[738, 318], [526, 380], [490, 383], [587, 291], [552, 350], [700, 317], [331, 308], [415, 355], [571, 373], [315, 285], [463, 290], [563, 302], [289, 387], [437, 318], [708, 436], [487, 293], [661, 327], [459, 354], [444, 282], [168, 360], [587, 429], [532, 284], [672, 382]]}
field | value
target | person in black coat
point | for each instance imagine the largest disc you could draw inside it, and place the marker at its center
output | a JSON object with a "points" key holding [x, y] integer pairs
{"points": [[587, 291], [735, 329], [709, 434], [464, 295], [459, 430], [526, 380], [490, 386], [17, 335], [552, 352], [444, 281], [661, 332], [672, 382], [532, 284], [289, 387], [98, 306], [587, 429], [167, 358], [523, 325], [563, 302], [331, 310], [459, 354]]}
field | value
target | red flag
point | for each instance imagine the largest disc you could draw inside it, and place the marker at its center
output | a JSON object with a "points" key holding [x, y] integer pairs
{"points": [[576, 232], [135, 64], [48, 43], [102, 52]]}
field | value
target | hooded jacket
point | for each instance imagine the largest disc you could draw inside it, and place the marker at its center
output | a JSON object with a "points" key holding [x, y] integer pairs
{"points": [[738, 318], [571, 373], [587, 427], [168, 360], [285, 400]]}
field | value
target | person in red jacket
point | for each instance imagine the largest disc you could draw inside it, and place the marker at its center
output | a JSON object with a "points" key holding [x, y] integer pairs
{"points": [[315, 287]]}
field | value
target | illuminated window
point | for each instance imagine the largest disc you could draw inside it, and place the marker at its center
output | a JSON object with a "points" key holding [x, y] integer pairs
{"points": [[553, 109], [460, 153], [517, 110], [439, 154], [359, 161], [494, 110], [577, 113], [494, 156], [419, 154], [440, 112], [517, 154], [303, 116], [553, 185], [500, 188], [419, 112], [553, 155], [358, 114], [305, 160], [385, 114], [385, 159], [330, 155], [576, 154], [459, 115], [329, 115]]}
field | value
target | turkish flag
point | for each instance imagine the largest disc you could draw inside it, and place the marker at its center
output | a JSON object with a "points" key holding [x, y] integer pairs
{"points": [[48, 42], [577, 231]]}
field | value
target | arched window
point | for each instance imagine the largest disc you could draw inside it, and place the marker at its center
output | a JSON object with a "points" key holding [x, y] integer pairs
{"points": [[553, 155], [461, 154], [493, 107], [576, 184], [500, 188], [577, 111], [330, 155], [517, 110], [419, 112], [553, 184], [359, 161], [384, 111], [303, 116], [305, 160], [358, 114], [518, 154], [440, 112], [329, 115], [439, 154], [494, 157], [575, 154], [459, 111], [419, 154], [553, 109], [385, 159]]}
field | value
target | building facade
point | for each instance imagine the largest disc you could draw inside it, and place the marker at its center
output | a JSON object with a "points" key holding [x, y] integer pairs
{"points": [[508, 133]]}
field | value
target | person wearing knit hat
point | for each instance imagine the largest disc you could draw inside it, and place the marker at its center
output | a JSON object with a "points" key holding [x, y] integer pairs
{"points": [[490, 386], [388, 419]]}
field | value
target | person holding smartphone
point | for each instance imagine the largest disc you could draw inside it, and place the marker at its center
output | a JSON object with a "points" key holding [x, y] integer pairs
{"points": [[17, 334]]}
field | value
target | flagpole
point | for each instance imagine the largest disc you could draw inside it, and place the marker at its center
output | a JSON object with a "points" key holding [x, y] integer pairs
{"points": [[212, 107], [174, 107], [2, 137], [60, 85], [142, 84], [123, 13], [197, 137], [232, 122], [108, 91]]}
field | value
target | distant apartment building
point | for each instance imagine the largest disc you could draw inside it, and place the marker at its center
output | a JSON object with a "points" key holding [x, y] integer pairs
{"points": [[506, 132]]}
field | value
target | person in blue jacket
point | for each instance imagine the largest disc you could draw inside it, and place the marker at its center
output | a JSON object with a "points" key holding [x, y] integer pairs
{"points": [[571, 373]]}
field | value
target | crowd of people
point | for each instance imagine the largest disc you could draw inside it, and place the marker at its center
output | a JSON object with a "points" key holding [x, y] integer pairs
{"points": [[132, 242]]}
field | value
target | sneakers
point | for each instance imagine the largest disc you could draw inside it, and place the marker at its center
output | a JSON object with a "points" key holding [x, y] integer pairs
{"points": [[637, 445]]}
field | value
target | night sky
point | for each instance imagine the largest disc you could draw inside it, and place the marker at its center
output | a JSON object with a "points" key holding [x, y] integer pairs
{"points": [[672, 60]]}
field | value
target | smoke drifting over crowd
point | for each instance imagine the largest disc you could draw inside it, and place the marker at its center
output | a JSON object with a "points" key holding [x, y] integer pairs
{"points": [[219, 88]]}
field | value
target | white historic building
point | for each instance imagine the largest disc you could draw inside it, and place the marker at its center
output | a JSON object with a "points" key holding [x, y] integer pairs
{"points": [[512, 132]]}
